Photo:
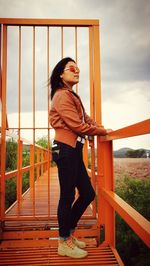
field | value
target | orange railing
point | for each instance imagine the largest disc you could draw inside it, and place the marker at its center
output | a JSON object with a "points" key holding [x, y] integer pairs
{"points": [[39, 163], [103, 179], [109, 201], [16, 27]]}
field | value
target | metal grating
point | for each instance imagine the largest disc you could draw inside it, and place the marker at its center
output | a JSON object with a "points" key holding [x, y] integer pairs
{"points": [[48, 256]]}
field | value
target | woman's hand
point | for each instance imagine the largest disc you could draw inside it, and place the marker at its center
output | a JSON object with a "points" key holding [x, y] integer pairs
{"points": [[108, 130]]}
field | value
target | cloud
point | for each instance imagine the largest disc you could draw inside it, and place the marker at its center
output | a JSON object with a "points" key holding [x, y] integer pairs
{"points": [[125, 108], [125, 54], [129, 108]]}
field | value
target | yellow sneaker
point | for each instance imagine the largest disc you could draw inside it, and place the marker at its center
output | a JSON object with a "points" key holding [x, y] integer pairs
{"points": [[68, 248], [78, 243]]}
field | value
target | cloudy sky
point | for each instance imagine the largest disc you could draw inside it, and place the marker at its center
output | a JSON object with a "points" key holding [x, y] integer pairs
{"points": [[125, 56]]}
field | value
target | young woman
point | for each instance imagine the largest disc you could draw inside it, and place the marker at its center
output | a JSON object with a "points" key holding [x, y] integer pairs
{"points": [[72, 125]]}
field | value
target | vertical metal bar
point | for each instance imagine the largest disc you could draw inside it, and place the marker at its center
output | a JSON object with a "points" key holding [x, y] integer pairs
{"points": [[19, 80], [33, 110], [19, 152], [1, 34], [85, 153], [97, 114], [76, 44], [100, 184], [93, 175], [0, 100], [3, 119], [62, 42], [0, 63], [48, 99], [19, 176], [38, 161], [32, 169], [97, 83], [42, 158], [76, 52], [92, 111], [92, 91]]}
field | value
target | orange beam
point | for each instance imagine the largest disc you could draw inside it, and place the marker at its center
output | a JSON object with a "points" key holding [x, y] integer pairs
{"points": [[135, 220], [42, 234], [50, 22], [43, 217]]}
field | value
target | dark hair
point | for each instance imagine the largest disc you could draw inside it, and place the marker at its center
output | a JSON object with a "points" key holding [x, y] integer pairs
{"points": [[55, 79]]}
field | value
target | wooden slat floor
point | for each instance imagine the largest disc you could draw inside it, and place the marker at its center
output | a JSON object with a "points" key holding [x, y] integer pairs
{"points": [[43, 204], [48, 256], [41, 252]]}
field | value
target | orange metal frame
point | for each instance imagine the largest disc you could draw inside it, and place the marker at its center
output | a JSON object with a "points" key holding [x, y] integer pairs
{"points": [[103, 180]]}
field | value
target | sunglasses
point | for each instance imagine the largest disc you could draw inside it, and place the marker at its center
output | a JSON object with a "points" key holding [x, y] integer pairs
{"points": [[72, 69]]}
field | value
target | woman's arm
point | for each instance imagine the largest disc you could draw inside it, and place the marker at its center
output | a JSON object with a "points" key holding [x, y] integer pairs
{"points": [[67, 110]]}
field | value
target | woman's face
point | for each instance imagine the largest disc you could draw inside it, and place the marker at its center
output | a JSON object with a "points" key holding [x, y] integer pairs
{"points": [[70, 76]]}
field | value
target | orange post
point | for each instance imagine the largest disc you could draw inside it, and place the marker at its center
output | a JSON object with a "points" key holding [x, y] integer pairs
{"points": [[19, 173], [94, 183], [48, 109], [42, 158], [97, 82], [3, 129], [31, 166], [91, 78], [85, 153], [38, 161], [109, 185], [62, 42], [106, 214], [32, 185]]}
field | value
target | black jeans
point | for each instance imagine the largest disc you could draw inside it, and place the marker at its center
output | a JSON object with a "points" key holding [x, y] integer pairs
{"points": [[72, 174]]}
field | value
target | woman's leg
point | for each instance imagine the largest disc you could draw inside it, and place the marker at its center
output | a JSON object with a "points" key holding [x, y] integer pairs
{"points": [[86, 194], [67, 171]]}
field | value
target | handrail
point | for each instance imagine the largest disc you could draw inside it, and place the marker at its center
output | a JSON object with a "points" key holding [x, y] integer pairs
{"points": [[137, 129], [24, 169], [134, 219], [28, 142]]}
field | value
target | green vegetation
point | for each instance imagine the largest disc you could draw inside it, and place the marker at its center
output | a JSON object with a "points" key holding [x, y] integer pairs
{"points": [[11, 164], [135, 153], [43, 142], [135, 192], [131, 153], [11, 155], [10, 196]]}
